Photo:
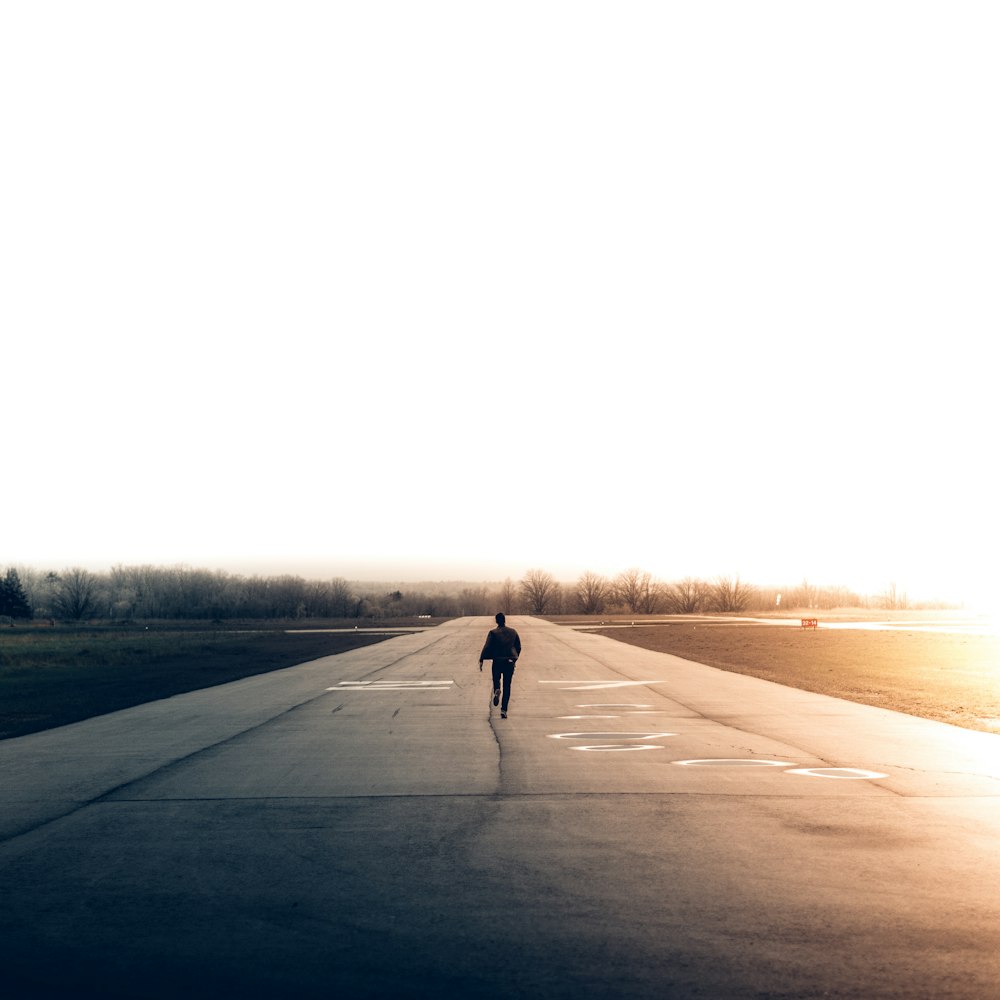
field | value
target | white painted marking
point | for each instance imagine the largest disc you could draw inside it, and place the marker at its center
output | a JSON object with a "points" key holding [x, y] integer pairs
{"points": [[394, 682], [618, 747], [392, 686], [395, 687], [732, 762], [609, 736], [614, 704], [848, 773], [600, 685], [575, 717]]}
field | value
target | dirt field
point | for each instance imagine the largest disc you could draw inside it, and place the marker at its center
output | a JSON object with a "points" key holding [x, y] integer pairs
{"points": [[951, 678]]}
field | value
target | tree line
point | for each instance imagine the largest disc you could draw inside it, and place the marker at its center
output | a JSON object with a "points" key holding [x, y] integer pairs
{"points": [[636, 591], [129, 593]]}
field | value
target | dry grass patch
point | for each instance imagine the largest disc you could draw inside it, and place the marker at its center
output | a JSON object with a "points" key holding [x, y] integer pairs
{"points": [[951, 678]]}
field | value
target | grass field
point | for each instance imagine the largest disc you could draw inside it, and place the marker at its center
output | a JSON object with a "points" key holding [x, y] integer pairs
{"points": [[948, 677], [53, 676]]}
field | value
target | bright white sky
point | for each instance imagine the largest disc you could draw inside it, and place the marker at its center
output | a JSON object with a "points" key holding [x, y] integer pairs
{"points": [[396, 290]]}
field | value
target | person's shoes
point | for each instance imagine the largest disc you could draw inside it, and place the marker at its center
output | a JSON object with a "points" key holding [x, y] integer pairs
{"points": [[503, 715], [496, 696]]}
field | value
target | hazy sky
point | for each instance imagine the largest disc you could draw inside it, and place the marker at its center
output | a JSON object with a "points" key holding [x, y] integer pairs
{"points": [[436, 290]]}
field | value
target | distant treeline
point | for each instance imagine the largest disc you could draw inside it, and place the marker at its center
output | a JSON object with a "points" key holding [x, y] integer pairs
{"points": [[127, 593]]}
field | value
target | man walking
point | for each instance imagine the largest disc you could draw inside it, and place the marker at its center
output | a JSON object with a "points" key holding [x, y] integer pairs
{"points": [[503, 647]]}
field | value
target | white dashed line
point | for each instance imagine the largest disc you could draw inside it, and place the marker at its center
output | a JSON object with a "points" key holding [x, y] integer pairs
{"points": [[392, 686], [617, 737], [732, 762], [848, 773]]}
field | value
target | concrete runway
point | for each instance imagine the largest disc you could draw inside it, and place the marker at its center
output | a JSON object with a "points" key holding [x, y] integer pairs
{"points": [[366, 825]]}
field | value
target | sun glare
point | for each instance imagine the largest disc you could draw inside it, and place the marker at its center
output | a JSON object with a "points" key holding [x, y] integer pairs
{"points": [[606, 311]]}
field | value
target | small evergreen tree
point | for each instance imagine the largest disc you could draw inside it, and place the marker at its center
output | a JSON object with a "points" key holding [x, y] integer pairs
{"points": [[13, 600]]}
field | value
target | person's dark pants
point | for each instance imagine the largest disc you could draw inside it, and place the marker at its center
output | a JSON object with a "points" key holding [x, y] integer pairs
{"points": [[504, 669]]}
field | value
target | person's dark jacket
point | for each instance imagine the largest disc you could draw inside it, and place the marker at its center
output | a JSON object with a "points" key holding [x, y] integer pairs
{"points": [[502, 643]]}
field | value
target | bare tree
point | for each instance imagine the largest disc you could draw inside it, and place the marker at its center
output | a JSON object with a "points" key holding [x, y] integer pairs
{"points": [[686, 596], [538, 589], [76, 594], [439, 605], [839, 597], [625, 589], [805, 596], [893, 599], [341, 598], [636, 590], [652, 596], [506, 597], [730, 593], [592, 593], [287, 595], [474, 601]]}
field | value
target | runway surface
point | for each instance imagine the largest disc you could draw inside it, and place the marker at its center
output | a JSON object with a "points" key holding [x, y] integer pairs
{"points": [[366, 825]]}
